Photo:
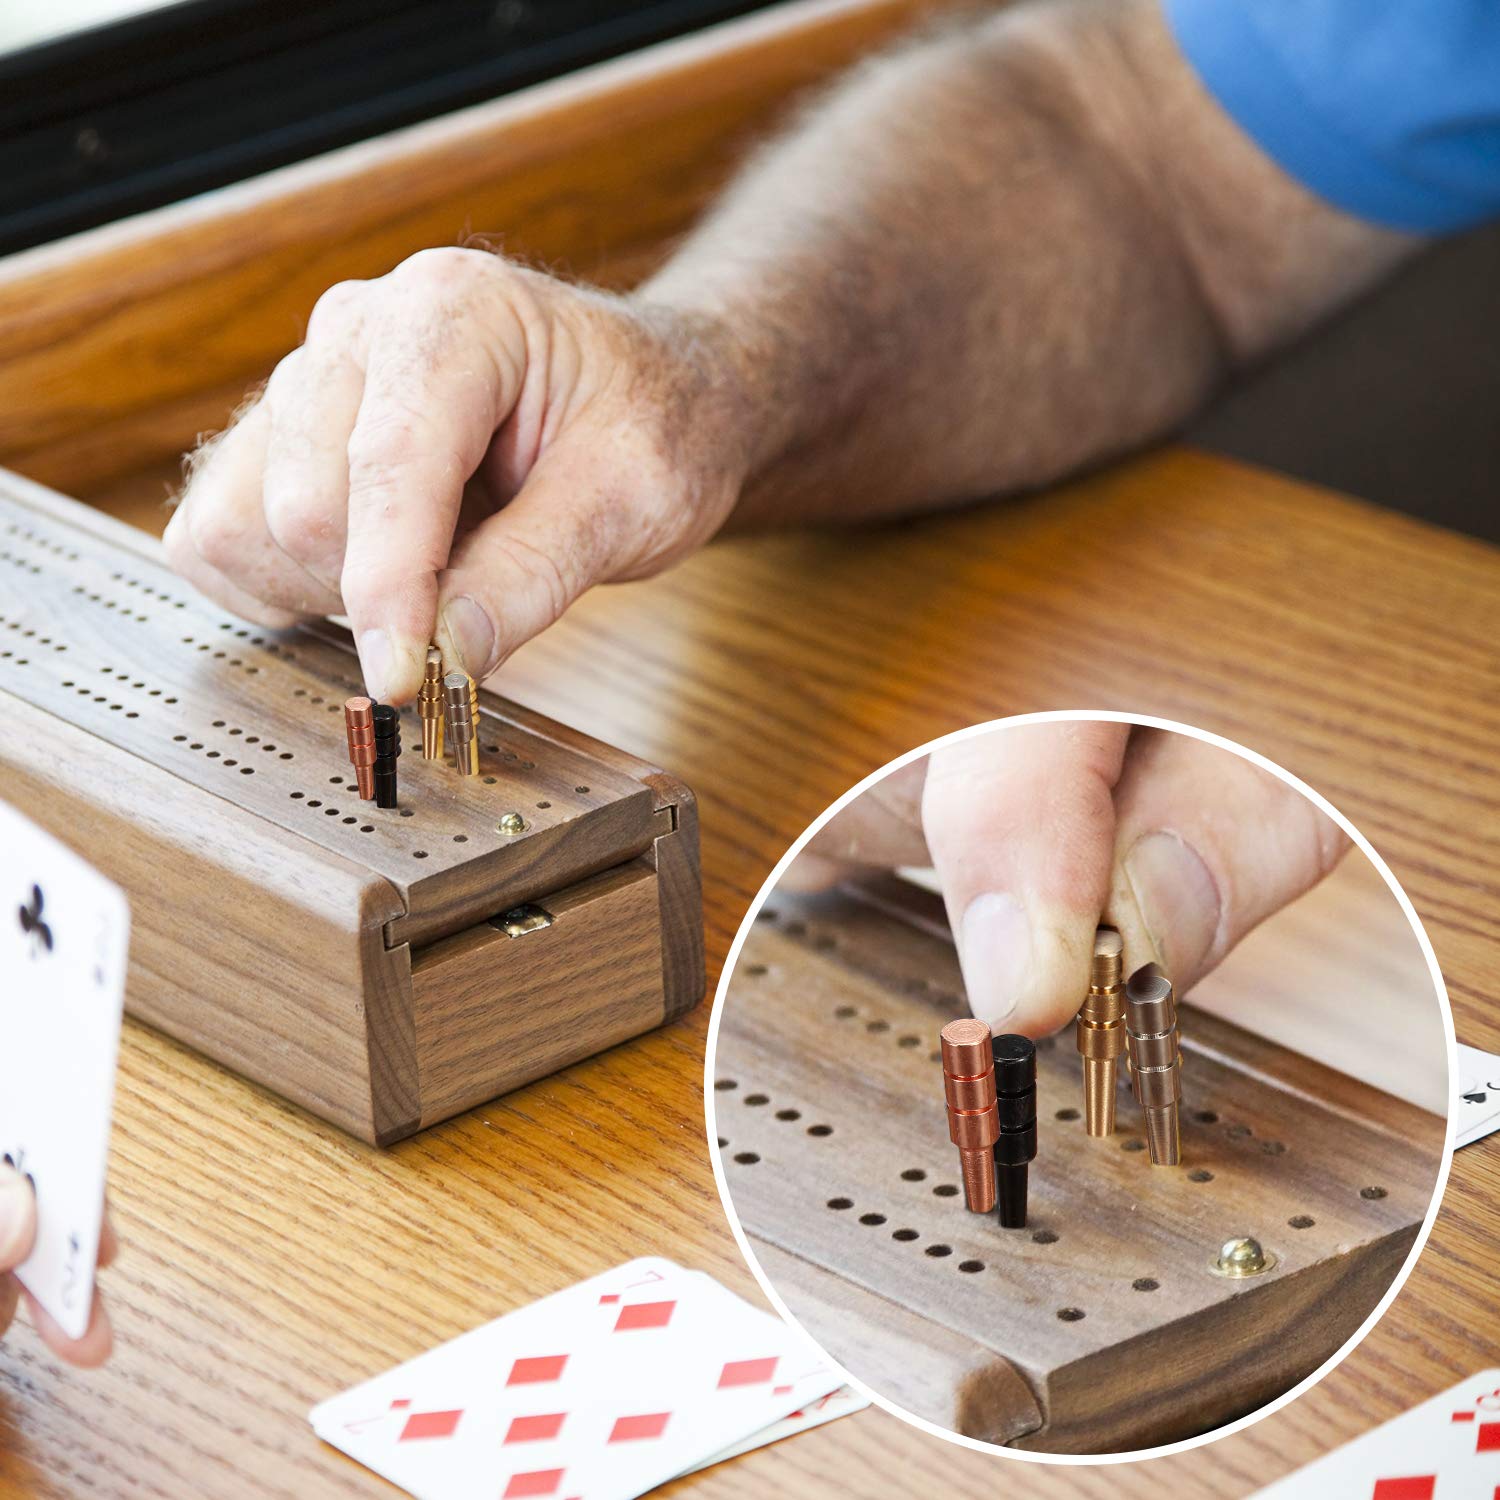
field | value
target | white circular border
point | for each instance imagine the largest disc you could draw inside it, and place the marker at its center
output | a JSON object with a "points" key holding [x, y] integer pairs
{"points": [[1052, 717]]}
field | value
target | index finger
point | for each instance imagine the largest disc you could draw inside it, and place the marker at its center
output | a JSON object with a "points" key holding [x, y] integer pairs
{"points": [[432, 400], [1020, 822]]}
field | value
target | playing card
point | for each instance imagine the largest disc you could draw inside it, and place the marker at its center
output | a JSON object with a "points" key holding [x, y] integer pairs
{"points": [[837, 1403], [1477, 1102], [603, 1390], [1446, 1449], [63, 935]]}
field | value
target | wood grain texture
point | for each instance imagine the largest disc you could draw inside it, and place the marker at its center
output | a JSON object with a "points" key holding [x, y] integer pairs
{"points": [[121, 340], [494, 1011], [269, 1260], [829, 1101], [176, 745], [924, 1367], [279, 1013]]}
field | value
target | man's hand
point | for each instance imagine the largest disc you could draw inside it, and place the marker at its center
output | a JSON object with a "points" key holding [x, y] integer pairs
{"points": [[17, 1231], [457, 451], [1038, 830]]}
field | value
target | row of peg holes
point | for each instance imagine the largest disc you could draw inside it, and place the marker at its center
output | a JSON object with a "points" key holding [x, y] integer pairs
{"points": [[233, 661], [759, 1101], [145, 588], [114, 604], [40, 542]]}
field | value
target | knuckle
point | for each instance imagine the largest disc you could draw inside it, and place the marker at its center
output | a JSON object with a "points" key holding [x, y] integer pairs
{"points": [[444, 266], [218, 542], [335, 308], [391, 441], [302, 528]]}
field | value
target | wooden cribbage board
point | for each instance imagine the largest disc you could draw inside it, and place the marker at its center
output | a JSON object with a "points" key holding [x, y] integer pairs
{"points": [[1101, 1326], [349, 957]]}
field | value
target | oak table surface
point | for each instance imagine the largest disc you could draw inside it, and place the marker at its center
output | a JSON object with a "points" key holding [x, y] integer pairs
{"points": [[270, 1261]]}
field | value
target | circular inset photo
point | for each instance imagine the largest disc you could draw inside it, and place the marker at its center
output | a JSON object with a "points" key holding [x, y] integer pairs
{"points": [[1080, 1084]]}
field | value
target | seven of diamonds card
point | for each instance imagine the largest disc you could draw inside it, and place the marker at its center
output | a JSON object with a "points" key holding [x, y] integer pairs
{"points": [[603, 1390]]}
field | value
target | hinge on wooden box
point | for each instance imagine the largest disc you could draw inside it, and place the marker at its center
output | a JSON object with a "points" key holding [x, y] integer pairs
{"points": [[520, 920]]}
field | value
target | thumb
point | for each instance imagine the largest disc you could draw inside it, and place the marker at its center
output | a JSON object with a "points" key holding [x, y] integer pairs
{"points": [[1020, 822], [1207, 845], [17, 1218], [568, 528]]}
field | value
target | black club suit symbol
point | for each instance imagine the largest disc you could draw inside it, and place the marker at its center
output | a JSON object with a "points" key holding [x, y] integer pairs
{"points": [[33, 925]]}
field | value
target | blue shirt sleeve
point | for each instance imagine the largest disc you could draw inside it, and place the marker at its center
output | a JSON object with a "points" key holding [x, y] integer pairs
{"points": [[1388, 109]]}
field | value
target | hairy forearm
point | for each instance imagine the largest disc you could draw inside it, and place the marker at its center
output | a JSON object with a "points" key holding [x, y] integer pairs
{"points": [[997, 256]]}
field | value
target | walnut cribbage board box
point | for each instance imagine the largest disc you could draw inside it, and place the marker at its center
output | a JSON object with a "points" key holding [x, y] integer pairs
{"points": [[1101, 1327], [353, 959]]}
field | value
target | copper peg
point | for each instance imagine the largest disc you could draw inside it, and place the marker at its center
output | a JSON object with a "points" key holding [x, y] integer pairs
{"points": [[359, 729], [462, 700], [973, 1120], [430, 706], [1101, 1031], [1155, 1060]]}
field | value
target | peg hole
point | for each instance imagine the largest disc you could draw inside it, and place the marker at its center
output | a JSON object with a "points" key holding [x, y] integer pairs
{"points": [[1206, 1117], [1067, 1114], [970, 1266], [822, 1130], [1044, 1237], [1200, 1174], [757, 1099], [945, 1190], [746, 1158], [1146, 1284], [873, 1220], [1301, 1221], [906, 1236], [843, 1012], [1133, 1144], [1372, 1193], [841, 1203], [788, 1114], [914, 1174], [1070, 1314], [723, 1085], [755, 970], [937, 1252], [419, 854]]}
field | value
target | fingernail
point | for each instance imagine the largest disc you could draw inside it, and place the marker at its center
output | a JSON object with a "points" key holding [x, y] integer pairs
{"points": [[994, 947], [1178, 899], [15, 1213], [375, 662], [472, 633]]}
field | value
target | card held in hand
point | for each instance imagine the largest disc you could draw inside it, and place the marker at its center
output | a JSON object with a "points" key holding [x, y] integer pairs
{"points": [[1445, 1449], [604, 1390], [63, 935]]}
